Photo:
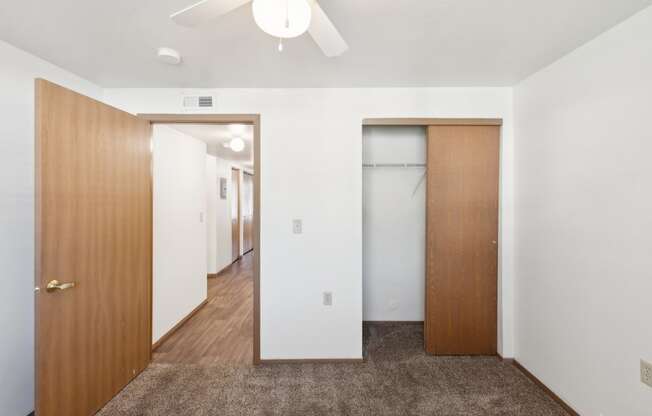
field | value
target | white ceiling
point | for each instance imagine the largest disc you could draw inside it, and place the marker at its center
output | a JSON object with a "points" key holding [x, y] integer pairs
{"points": [[392, 42], [215, 135]]}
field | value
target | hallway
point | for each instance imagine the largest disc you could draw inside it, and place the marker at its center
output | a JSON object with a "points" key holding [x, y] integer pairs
{"points": [[222, 331]]}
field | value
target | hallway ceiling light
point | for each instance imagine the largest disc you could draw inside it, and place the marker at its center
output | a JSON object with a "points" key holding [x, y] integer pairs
{"points": [[237, 144]]}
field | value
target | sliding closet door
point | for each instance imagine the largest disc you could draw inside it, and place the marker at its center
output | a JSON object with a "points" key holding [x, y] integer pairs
{"points": [[462, 234]]}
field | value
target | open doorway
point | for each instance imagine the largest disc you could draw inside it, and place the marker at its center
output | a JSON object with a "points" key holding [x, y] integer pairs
{"points": [[205, 279]]}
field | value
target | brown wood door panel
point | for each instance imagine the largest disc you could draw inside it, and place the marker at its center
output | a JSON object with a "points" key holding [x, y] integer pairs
{"points": [[94, 228], [235, 214], [462, 234], [248, 211]]}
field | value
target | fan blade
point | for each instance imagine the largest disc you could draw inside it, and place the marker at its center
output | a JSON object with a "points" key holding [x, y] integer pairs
{"points": [[204, 11], [325, 33]]}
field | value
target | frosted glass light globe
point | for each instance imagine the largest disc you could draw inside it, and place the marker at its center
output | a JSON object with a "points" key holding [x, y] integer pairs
{"points": [[282, 18]]}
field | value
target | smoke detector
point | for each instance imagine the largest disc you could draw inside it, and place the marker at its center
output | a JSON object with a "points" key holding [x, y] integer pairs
{"points": [[169, 56]]}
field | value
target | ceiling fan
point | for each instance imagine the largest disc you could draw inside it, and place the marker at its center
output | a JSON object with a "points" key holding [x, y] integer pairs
{"points": [[282, 19]]}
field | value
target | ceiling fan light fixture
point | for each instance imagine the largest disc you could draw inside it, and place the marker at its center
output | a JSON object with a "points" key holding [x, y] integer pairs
{"points": [[282, 18]]}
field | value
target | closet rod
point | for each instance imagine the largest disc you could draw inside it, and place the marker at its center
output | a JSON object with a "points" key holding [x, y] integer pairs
{"points": [[393, 165]]}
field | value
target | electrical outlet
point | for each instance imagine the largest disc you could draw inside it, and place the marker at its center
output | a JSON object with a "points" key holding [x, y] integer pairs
{"points": [[328, 299], [297, 226], [646, 373]]}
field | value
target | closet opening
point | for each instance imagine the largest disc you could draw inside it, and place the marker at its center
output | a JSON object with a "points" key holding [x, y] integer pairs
{"points": [[394, 232], [430, 235]]}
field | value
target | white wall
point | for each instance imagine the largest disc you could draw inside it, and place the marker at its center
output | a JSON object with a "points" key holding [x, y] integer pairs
{"points": [[311, 154], [394, 225], [584, 222], [212, 197], [180, 268], [17, 72]]}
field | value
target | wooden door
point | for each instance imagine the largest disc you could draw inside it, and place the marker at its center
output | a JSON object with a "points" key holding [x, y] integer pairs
{"points": [[235, 214], [462, 234], [93, 230], [247, 212]]}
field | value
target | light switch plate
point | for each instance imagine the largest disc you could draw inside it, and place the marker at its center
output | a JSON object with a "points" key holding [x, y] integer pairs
{"points": [[646, 373], [223, 188], [328, 298], [297, 226]]}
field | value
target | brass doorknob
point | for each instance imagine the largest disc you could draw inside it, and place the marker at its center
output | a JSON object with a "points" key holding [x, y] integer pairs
{"points": [[55, 285]]}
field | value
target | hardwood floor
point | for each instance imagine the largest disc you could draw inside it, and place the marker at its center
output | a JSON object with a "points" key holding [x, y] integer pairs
{"points": [[222, 331]]}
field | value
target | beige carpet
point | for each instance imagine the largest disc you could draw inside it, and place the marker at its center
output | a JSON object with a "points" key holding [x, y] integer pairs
{"points": [[397, 379]]}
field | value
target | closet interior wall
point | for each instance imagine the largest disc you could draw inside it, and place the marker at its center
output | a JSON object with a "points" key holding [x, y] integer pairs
{"points": [[394, 223]]}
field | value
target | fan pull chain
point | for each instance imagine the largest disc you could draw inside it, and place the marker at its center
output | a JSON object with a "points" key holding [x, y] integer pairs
{"points": [[287, 14], [287, 24]]}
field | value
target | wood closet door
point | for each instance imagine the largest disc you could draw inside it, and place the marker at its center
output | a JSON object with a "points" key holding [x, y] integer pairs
{"points": [[462, 234], [247, 211], [93, 236], [235, 214]]}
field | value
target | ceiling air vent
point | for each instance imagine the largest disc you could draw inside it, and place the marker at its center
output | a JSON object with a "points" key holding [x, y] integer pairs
{"points": [[198, 102]]}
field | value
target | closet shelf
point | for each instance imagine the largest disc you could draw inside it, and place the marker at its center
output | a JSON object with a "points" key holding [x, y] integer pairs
{"points": [[393, 165]]}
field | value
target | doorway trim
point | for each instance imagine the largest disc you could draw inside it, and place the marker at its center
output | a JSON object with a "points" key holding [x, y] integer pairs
{"points": [[249, 119]]}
